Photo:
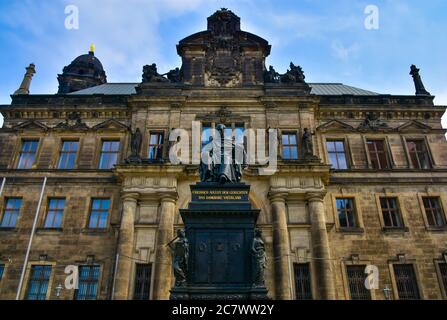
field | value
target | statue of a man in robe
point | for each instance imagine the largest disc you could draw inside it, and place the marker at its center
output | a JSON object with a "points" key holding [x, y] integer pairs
{"points": [[135, 143], [259, 259], [180, 249], [222, 159]]}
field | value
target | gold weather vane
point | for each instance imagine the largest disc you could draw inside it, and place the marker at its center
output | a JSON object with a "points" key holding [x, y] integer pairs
{"points": [[92, 47]]}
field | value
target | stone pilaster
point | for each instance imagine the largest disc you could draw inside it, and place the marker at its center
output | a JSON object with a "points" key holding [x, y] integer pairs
{"points": [[320, 246], [126, 247], [281, 247], [163, 257]]}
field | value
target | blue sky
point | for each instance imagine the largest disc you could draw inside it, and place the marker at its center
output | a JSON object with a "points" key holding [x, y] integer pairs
{"points": [[326, 37]]}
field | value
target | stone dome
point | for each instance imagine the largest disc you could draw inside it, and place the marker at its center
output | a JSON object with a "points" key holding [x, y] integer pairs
{"points": [[84, 72]]}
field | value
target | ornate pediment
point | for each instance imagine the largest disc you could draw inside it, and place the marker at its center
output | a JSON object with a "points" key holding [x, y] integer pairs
{"points": [[223, 115], [223, 55], [414, 126], [335, 125], [31, 125], [72, 122], [112, 125], [373, 122]]}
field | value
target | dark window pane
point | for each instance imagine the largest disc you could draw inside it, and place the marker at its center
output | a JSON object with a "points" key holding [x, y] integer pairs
{"points": [[109, 154], [11, 213], [434, 211], [99, 215], [303, 287], [28, 154], [2, 270], [377, 154], [88, 282], [337, 155], [38, 282], [356, 281], [55, 213], [346, 213], [407, 288], [206, 135], [443, 273], [289, 147], [330, 145], [68, 154], [155, 151], [142, 281], [342, 164], [418, 154], [391, 213]]}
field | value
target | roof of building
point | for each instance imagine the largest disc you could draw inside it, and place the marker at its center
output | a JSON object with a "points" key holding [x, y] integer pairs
{"points": [[317, 89]]}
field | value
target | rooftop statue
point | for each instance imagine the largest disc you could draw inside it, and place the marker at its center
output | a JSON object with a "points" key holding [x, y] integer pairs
{"points": [[294, 75], [222, 159], [419, 86], [150, 74], [175, 75], [271, 76]]}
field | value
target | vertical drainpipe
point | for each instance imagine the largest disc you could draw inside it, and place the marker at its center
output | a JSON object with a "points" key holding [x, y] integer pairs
{"points": [[3, 185], [33, 230], [117, 258]]}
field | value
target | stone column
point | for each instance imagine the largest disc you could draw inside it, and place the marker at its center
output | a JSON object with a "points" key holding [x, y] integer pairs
{"points": [[163, 256], [125, 247], [320, 245], [26, 82], [281, 247]]}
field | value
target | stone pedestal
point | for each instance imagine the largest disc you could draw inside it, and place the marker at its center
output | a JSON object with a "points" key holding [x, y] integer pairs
{"points": [[219, 225]]}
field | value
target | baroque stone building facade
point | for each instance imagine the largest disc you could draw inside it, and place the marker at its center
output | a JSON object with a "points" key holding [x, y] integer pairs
{"points": [[371, 192]]}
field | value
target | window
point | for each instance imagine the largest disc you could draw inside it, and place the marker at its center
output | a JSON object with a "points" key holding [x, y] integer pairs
{"points": [[418, 154], [88, 283], [391, 213], [55, 213], [38, 282], [2, 269], [377, 154], [109, 154], [356, 282], [206, 134], [11, 213], [434, 212], [99, 214], [407, 288], [238, 133], [28, 154], [289, 146], [156, 146], [67, 158], [142, 281], [346, 213], [337, 154], [443, 274], [303, 286]]}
